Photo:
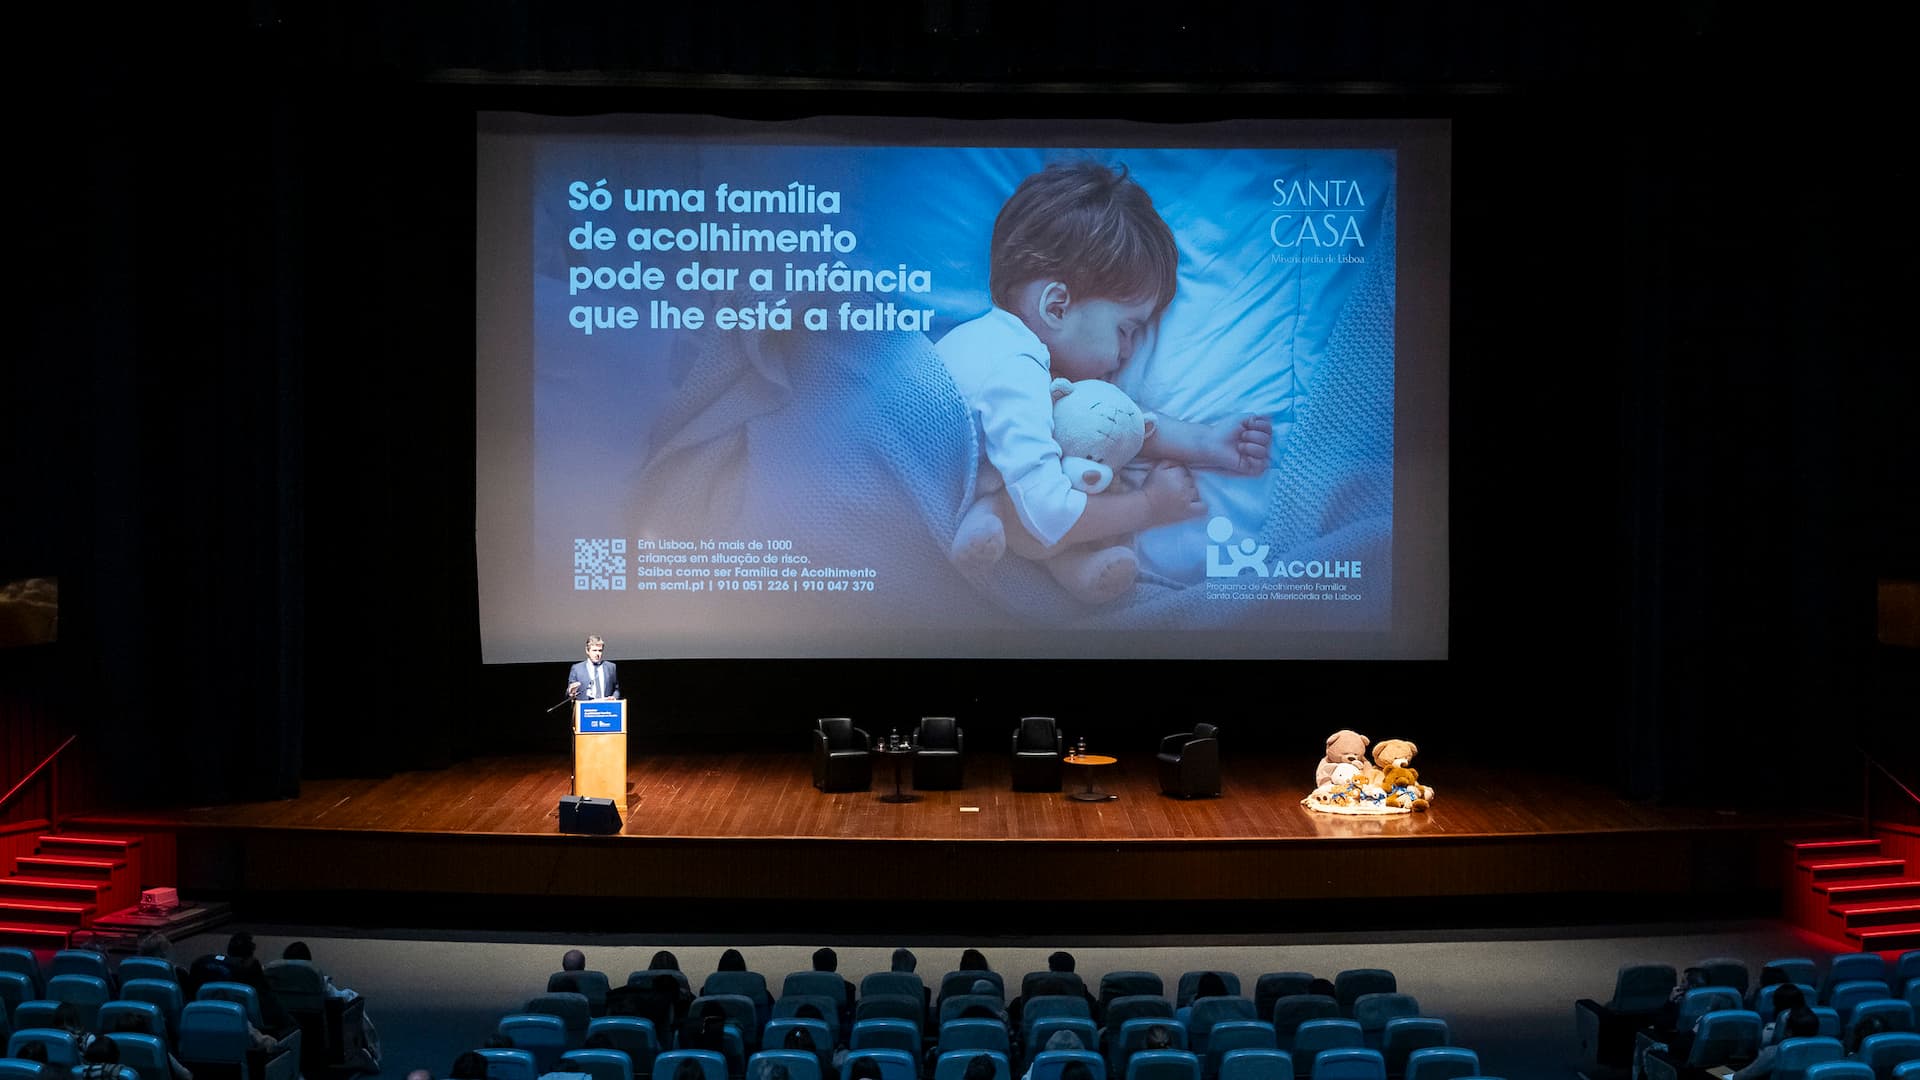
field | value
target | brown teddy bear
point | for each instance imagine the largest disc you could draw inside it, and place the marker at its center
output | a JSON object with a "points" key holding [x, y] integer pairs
{"points": [[1343, 748], [1395, 758]]}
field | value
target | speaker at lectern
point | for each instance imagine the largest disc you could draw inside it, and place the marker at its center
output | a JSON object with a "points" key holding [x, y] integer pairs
{"points": [[600, 750]]}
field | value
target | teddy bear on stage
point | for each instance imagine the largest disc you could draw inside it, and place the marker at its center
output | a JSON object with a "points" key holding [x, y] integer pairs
{"points": [[1397, 776], [1344, 747]]}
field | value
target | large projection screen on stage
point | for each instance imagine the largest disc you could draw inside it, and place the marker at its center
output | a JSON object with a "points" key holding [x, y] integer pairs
{"points": [[719, 414]]}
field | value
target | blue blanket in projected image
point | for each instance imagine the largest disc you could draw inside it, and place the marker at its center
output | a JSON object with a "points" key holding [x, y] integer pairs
{"points": [[859, 448]]}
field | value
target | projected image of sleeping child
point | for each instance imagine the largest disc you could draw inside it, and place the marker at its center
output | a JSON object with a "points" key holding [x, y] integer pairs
{"points": [[1081, 267]]}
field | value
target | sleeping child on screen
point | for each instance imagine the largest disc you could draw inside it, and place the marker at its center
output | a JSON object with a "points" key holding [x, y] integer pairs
{"points": [[1081, 267]]}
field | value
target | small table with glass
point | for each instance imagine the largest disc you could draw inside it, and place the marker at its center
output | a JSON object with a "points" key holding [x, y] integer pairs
{"points": [[1091, 762]]}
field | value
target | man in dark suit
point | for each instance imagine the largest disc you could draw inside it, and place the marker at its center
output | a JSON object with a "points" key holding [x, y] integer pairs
{"points": [[593, 677]]}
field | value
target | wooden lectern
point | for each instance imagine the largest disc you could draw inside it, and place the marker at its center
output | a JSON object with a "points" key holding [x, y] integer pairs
{"points": [[600, 751]]}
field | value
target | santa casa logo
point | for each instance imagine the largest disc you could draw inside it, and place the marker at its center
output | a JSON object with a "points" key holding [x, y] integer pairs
{"points": [[1227, 560]]}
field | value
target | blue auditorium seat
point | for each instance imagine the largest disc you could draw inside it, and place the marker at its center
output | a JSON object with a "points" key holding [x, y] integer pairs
{"points": [[541, 1034], [1132, 1038], [599, 1064], [573, 1009], [1190, 980], [1316, 1036], [632, 1035], [1349, 1063], [1349, 986], [953, 1065], [1851, 967], [1274, 985], [147, 967], [1048, 1064], [894, 1064], [62, 1048], [506, 1064], [799, 1064], [1443, 1063], [1253, 1063], [1163, 1065], [711, 1064], [1405, 1034]]}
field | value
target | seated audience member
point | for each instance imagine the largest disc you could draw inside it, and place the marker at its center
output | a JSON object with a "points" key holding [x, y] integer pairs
{"points": [[1861, 1030], [1059, 1040], [469, 1066], [688, 1069], [240, 964], [864, 1068], [67, 1018], [1076, 1070], [1159, 1037], [1786, 1001], [706, 1031], [134, 1024], [980, 1067], [732, 960], [1801, 1023], [100, 1062], [1060, 979], [828, 961], [973, 960], [160, 947], [36, 1052], [904, 961], [363, 1045], [573, 960], [769, 1070]]}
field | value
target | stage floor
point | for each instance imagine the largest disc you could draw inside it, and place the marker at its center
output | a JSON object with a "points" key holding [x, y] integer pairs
{"points": [[756, 795], [716, 835]]}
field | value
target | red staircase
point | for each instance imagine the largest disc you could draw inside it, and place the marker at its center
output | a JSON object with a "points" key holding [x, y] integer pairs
{"points": [[68, 881], [1849, 891]]}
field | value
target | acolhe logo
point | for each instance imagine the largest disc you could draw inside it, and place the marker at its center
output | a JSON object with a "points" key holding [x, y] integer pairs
{"points": [[1226, 560]]}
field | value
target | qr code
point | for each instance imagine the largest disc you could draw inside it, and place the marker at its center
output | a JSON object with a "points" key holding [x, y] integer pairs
{"points": [[600, 565]]}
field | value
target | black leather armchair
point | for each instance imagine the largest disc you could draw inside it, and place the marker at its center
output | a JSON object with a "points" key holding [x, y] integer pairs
{"points": [[841, 761], [1036, 754], [939, 749], [1190, 763]]}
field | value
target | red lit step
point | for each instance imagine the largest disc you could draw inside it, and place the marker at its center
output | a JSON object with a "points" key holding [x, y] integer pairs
{"points": [[98, 846], [1831, 869], [1888, 938], [68, 889], [44, 911], [1878, 914], [1823, 848], [34, 936], [75, 865], [1841, 892]]}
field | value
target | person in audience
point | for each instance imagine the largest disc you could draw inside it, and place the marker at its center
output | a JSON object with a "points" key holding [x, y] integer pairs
{"points": [[864, 1068], [664, 961], [1059, 1040], [769, 1070], [904, 960], [973, 960], [468, 1066], [1210, 984], [980, 1067], [1786, 1000], [67, 1018], [660, 1002], [36, 1052], [1060, 979], [241, 964], [706, 1030], [1159, 1037], [101, 1061], [135, 1025], [573, 960], [1862, 1029], [1693, 978], [1076, 1070], [1322, 987], [732, 960], [160, 947], [826, 960], [1800, 1024], [363, 1045]]}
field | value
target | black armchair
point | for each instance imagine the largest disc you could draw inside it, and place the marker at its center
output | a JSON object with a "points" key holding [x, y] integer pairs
{"points": [[1036, 755], [841, 761], [1190, 763], [939, 748]]}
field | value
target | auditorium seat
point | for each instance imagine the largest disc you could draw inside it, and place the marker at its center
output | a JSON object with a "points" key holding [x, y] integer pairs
{"points": [[62, 1048], [38, 1013], [1349, 1063], [1290, 1012], [712, 1065], [1317, 1036], [842, 758], [1795, 1056], [1190, 763], [894, 1064], [1184, 989], [1725, 971], [1722, 1037], [214, 1042], [739, 1010], [1274, 985], [1851, 967], [632, 1035], [892, 1007], [776, 1033], [1137, 1006], [748, 984], [953, 1065], [1205, 1013], [951, 1008], [237, 992], [148, 967], [1132, 1038], [1038, 1034], [507, 1064], [939, 754], [22, 960], [591, 983], [15, 988], [18, 1069], [1405, 1034], [1840, 1070], [1250, 1063], [541, 1034], [961, 982], [1606, 1031], [887, 1033], [1048, 1064], [1349, 985], [1794, 969], [1119, 984], [86, 993], [571, 1008], [1702, 1000], [787, 1006], [1887, 1049], [1036, 755], [1047, 1006], [80, 962], [164, 994], [1846, 996], [1763, 999], [598, 1064], [1892, 1013], [114, 1014], [1230, 1035], [1905, 967], [1372, 1011], [330, 1028], [799, 1064], [974, 1035], [1163, 1065], [903, 983], [1443, 1063]]}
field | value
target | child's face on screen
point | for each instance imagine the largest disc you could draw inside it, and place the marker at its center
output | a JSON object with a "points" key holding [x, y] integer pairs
{"points": [[1092, 339]]}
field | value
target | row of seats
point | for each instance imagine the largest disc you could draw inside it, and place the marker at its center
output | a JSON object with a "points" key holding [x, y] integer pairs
{"points": [[1188, 762], [1720, 1014]]}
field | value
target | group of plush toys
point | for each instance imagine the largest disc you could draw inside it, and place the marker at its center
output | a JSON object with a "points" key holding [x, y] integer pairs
{"points": [[1348, 783]]}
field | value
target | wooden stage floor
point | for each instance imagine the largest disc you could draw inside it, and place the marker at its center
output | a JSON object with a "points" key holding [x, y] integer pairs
{"points": [[723, 828]]}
